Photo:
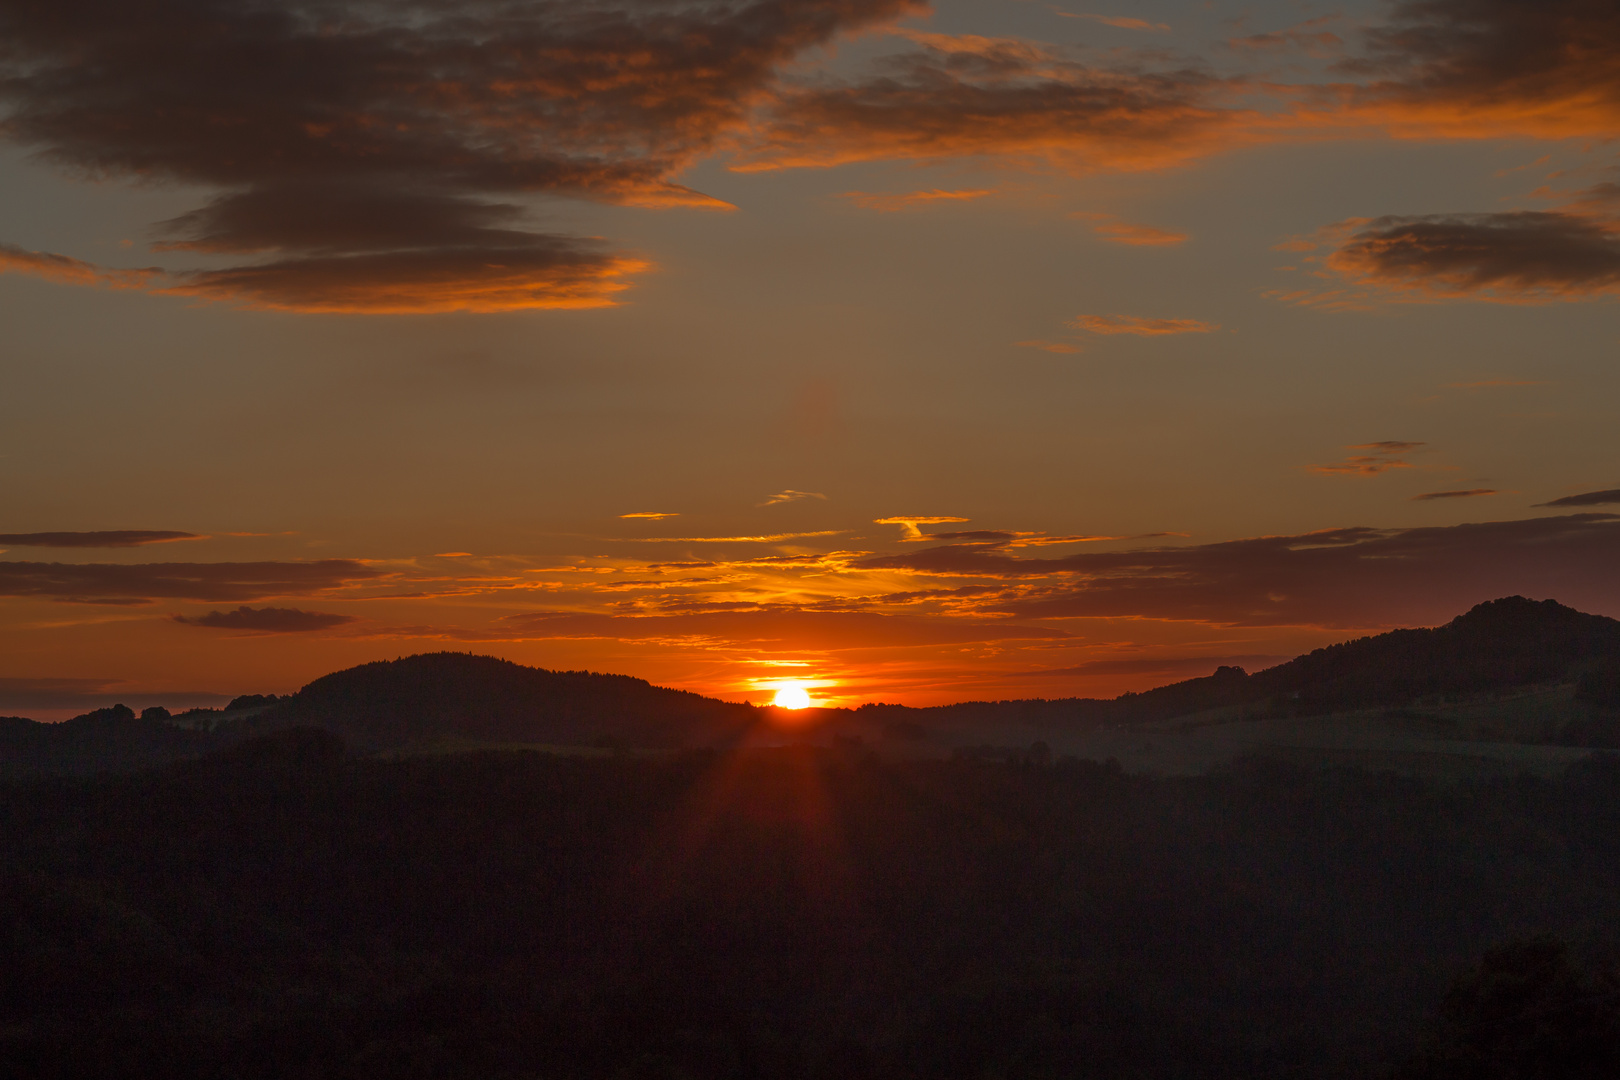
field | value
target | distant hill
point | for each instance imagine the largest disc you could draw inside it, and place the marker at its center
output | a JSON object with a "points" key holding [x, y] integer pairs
{"points": [[106, 739], [1495, 646], [447, 699]]}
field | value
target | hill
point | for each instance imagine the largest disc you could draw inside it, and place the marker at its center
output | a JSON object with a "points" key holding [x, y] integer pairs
{"points": [[1442, 682], [448, 697]]}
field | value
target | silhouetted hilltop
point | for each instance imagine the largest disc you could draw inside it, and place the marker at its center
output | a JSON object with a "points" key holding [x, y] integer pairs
{"points": [[1496, 645], [450, 696]]}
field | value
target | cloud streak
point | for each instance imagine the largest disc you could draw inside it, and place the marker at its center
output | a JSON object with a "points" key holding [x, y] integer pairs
{"points": [[1383, 457], [912, 200], [1116, 231], [123, 538], [1141, 327], [1431, 496], [1607, 497], [140, 583], [268, 620]]}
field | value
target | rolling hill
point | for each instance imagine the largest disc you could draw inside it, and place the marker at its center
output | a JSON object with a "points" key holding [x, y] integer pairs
{"points": [[1509, 659]]}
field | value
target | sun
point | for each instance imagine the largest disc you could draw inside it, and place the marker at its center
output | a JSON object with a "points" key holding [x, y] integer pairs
{"points": [[792, 696]]}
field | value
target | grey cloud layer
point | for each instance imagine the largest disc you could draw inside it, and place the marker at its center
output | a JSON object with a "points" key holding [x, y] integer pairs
{"points": [[268, 620], [140, 583]]}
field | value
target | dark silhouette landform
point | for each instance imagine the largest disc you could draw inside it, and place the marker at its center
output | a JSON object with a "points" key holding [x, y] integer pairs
{"points": [[1512, 684], [456, 867]]}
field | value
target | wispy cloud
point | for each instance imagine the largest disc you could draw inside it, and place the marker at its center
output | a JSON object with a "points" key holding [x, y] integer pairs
{"points": [[1430, 496], [913, 199], [1118, 22], [123, 538], [1062, 348], [1383, 457], [1134, 324], [1589, 498], [908, 525], [1483, 384], [773, 538], [651, 515], [1115, 231], [789, 495]]}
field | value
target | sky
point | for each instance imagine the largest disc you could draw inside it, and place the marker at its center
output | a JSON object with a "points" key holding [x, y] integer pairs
{"points": [[911, 353]]}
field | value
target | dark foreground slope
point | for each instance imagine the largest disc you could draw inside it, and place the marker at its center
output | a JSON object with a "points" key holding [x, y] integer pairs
{"points": [[285, 911]]}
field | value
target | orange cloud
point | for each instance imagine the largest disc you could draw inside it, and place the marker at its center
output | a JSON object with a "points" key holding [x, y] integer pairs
{"points": [[1051, 346], [69, 271], [652, 515], [421, 282], [1115, 231], [789, 495], [912, 199], [774, 538], [908, 525], [1133, 324], [1118, 22]]}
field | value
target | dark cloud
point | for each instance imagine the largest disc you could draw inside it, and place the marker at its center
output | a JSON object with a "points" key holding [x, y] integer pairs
{"points": [[122, 538], [976, 96], [1350, 577], [975, 534], [138, 583], [1430, 496], [369, 145], [1514, 256], [267, 620], [1589, 498], [1472, 68]]}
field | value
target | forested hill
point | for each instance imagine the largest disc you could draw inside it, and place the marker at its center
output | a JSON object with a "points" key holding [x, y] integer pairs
{"points": [[459, 699], [485, 699], [1495, 646]]}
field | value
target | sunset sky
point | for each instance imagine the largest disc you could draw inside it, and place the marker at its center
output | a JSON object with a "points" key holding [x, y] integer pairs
{"points": [[919, 353]]}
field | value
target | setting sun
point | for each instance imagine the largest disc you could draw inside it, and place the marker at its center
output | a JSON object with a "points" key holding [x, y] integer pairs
{"points": [[792, 696]]}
